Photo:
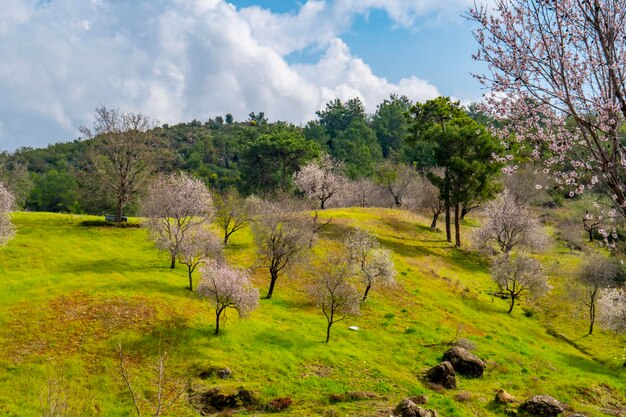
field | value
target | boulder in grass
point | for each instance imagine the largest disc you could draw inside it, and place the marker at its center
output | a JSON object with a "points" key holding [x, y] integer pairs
{"points": [[543, 406], [442, 374], [408, 408], [224, 373], [503, 397], [465, 362]]}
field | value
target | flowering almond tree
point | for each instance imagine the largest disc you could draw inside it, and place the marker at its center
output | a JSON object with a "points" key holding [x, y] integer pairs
{"points": [[509, 224], [282, 233], [199, 246], [334, 294], [320, 180], [175, 205], [7, 202], [374, 265], [612, 310], [519, 274], [557, 75], [227, 287]]}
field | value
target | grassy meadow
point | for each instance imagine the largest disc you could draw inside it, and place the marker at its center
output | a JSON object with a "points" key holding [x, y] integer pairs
{"points": [[70, 293]]}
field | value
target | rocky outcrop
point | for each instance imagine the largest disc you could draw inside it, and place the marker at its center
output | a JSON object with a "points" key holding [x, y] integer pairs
{"points": [[408, 408], [542, 405], [442, 374], [465, 362]]}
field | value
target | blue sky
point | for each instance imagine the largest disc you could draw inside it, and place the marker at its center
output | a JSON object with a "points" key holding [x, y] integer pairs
{"points": [[186, 59]]}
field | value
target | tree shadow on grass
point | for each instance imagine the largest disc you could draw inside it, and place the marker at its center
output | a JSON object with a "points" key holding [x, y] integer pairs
{"points": [[106, 266], [589, 365]]}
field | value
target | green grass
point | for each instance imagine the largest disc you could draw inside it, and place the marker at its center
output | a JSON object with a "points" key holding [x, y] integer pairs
{"points": [[69, 293]]}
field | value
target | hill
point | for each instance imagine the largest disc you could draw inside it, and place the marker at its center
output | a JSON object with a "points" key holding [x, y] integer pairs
{"points": [[70, 293]]}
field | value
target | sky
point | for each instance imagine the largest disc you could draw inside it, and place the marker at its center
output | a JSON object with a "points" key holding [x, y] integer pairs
{"points": [[179, 60]]}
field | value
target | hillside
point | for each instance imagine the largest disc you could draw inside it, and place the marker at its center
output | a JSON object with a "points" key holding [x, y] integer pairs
{"points": [[70, 293]]}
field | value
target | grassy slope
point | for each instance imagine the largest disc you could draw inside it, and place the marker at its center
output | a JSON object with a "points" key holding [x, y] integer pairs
{"points": [[69, 293]]}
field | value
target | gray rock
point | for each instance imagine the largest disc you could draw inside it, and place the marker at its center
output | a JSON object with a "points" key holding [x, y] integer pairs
{"points": [[543, 405], [442, 374], [465, 362], [408, 408], [224, 373]]}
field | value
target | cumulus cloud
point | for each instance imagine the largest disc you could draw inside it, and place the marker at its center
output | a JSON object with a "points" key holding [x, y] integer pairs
{"points": [[179, 60]]}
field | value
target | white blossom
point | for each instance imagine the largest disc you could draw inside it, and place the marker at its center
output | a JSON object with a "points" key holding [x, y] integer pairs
{"points": [[7, 203], [320, 180], [509, 224], [227, 287], [612, 310], [174, 205]]}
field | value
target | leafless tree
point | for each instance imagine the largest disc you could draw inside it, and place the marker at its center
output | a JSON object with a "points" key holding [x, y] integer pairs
{"points": [[7, 203], [175, 205], [596, 274], [227, 287], [374, 265], [612, 309], [571, 235], [122, 154], [231, 212], [431, 199], [508, 224], [591, 221], [15, 176], [333, 292], [517, 275], [166, 390], [320, 180], [362, 193], [61, 398], [199, 246], [400, 180], [282, 233]]}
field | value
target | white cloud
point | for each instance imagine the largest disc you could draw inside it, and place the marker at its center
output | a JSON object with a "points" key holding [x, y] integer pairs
{"points": [[179, 60]]}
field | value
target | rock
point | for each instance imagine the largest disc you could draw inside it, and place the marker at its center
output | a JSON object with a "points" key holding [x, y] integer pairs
{"points": [[542, 405], [442, 374], [224, 373], [208, 402], [355, 328], [408, 408], [503, 397], [465, 362]]}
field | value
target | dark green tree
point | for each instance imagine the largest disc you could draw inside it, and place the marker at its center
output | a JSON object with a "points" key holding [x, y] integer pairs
{"points": [[55, 191], [270, 159], [391, 125], [347, 136], [463, 149], [358, 148]]}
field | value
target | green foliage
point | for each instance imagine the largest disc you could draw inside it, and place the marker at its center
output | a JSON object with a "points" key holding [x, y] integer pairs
{"points": [[358, 148], [54, 191], [391, 125], [270, 159], [462, 148]]}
